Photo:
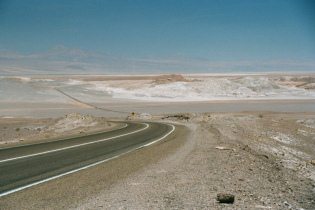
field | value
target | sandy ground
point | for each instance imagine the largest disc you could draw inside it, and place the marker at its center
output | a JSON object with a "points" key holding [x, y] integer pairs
{"points": [[122, 109], [17, 131], [261, 151], [54, 96], [263, 158]]}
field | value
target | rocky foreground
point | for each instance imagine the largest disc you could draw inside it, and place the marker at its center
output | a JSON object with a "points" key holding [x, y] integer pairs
{"points": [[216, 161], [15, 131], [247, 160]]}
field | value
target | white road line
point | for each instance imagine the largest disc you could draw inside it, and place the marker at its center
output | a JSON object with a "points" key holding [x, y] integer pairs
{"points": [[153, 142], [85, 167], [74, 146]]}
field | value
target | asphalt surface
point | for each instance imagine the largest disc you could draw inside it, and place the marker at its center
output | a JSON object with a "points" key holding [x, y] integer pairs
{"points": [[25, 165]]}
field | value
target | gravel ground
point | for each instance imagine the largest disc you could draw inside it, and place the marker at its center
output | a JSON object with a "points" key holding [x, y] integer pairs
{"points": [[263, 159], [17, 131], [222, 155]]}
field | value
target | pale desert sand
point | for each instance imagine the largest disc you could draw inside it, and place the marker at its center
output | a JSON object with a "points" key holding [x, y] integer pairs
{"points": [[17, 131], [265, 159], [259, 149], [117, 96]]}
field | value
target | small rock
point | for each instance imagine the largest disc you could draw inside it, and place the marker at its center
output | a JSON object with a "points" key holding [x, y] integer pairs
{"points": [[312, 162], [145, 116], [224, 148], [287, 204], [225, 198], [263, 207]]}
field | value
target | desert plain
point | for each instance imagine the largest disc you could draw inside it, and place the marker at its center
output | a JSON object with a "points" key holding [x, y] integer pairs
{"points": [[250, 135]]}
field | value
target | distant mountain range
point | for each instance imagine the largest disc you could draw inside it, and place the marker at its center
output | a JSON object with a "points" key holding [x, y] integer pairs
{"points": [[63, 60]]}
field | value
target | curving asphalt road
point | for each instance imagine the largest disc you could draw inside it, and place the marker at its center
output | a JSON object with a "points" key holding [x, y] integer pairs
{"points": [[26, 166]]}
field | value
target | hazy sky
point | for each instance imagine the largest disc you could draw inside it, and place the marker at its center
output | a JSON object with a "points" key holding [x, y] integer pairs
{"points": [[226, 32]]}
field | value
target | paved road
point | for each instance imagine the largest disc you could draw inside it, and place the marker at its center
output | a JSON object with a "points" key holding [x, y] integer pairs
{"points": [[26, 166]]}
